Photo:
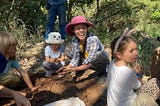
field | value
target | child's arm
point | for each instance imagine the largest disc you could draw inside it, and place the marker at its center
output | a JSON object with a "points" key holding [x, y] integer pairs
{"points": [[139, 71], [26, 78], [69, 68], [62, 58], [50, 60], [19, 98]]}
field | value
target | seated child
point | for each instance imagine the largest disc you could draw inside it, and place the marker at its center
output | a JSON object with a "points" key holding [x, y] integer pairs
{"points": [[122, 78], [54, 54], [8, 45]]}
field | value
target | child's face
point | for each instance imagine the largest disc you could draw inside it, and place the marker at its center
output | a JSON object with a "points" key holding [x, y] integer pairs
{"points": [[54, 46], [130, 54], [11, 52], [80, 31]]}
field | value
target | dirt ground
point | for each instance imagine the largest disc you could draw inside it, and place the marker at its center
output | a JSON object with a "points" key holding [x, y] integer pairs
{"points": [[91, 89]]}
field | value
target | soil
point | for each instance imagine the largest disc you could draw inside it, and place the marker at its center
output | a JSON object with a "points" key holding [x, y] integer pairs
{"points": [[90, 89]]}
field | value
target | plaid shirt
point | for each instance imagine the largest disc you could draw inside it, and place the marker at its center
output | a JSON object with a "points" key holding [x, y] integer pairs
{"points": [[93, 45]]}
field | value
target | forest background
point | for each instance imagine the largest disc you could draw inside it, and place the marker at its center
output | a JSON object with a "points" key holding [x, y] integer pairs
{"points": [[26, 19]]}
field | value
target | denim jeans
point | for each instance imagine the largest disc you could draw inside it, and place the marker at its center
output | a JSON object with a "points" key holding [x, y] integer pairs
{"points": [[54, 11], [53, 66]]}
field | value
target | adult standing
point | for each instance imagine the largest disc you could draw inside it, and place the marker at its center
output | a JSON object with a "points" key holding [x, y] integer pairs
{"points": [[56, 8]]}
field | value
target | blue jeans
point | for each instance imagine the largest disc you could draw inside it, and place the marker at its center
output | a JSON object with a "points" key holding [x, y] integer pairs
{"points": [[54, 11], [53, 66]]}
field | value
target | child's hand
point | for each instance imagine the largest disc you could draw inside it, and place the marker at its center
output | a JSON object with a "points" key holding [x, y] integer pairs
{"points": [[64, 70], [60, 70], [57, 60], [53, 60], [138, 69], [34, 89], [20, 99]]}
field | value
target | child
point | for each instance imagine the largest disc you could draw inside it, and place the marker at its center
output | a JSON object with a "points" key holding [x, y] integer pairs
{"points": [[122, 79], [8, 44], [54, 54]]}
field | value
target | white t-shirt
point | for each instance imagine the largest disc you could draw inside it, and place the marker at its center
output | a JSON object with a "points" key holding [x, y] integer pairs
{"points": [[121, 83], [49, 52]]}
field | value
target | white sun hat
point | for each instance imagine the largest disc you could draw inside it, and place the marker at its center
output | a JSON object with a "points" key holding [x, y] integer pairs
{"points": [[54, 38]]}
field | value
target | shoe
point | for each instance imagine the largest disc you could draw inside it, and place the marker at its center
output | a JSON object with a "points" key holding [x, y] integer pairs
{"points": [[48, 74]]}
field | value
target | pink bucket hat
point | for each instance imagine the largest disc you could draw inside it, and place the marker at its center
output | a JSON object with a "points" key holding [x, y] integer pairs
{"points": [[76, 20]]}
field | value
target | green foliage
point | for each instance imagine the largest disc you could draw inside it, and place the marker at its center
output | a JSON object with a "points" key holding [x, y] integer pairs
{"points": [[155, 15], [82, 2], [26, 19], [146, 46], [28, 11], [149, 18]]}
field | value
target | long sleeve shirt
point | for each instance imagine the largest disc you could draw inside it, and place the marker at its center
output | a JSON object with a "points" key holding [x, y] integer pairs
{"points": [[93, 44]]}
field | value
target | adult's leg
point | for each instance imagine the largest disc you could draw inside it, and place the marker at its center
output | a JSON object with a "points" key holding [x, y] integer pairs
{"points": [[98, 67], [101, 61], [61, 10], [51, 20]]}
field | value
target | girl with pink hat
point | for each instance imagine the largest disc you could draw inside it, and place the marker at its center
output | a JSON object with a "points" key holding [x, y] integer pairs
{"points": [[86, 49]]}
